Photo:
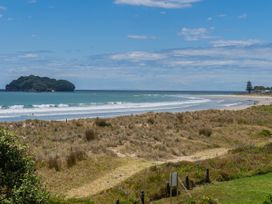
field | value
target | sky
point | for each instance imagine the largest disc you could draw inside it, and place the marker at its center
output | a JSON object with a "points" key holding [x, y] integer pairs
{"points": [[138, 44]]}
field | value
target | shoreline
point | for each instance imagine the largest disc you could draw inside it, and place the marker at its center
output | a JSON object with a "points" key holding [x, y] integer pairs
{"points": [[258, 101], [247, 101]]}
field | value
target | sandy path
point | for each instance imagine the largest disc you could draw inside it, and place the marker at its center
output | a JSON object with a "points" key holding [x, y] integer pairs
{"points": [[108, 181], [122, 173]]}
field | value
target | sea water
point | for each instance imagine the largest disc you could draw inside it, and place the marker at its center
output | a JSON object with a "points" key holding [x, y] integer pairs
{"points": [[16, 106]]}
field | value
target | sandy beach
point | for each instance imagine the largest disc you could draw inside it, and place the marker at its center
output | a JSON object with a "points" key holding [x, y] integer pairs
{"points": [[259, 101]]}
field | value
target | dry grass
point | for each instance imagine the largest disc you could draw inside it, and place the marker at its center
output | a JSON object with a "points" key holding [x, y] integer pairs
{"points": [[151, 136], [90, 135], [82, 173]]}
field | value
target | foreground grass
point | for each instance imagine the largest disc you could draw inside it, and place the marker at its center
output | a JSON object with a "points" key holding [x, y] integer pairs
{"points": [[251, 190]]}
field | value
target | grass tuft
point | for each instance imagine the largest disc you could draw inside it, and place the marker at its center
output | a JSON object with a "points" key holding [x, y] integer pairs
{"points": [[206, 132], [90, 135]]}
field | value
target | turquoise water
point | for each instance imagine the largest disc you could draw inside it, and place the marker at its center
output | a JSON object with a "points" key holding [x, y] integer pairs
{"points": [[16, 106]]}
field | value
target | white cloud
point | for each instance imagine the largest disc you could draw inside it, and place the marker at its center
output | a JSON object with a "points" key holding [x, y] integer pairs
{"points": [[222, 15], [29, 56], [243, 16], [137, 56], [202, 63], [239, 43], [141, 37], [194, 34], [167, 4], [226, 58]]}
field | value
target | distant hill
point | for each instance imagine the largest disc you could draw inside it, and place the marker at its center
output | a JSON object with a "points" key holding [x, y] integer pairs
{"points": [[39, 84]]}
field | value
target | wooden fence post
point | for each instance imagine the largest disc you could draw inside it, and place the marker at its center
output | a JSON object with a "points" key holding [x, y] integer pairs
{"points": [[142, 197], [187, 183], [207, 179]]}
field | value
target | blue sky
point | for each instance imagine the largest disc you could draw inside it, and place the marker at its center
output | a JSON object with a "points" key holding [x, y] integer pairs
{"points": [[138, 44]]}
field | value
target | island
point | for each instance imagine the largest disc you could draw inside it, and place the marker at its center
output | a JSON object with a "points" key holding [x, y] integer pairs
{"points": [[39, 84]]}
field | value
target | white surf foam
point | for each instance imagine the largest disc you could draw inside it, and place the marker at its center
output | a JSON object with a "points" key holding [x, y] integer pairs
{"points": [[60, 109], [16, 107], [233, 104]]}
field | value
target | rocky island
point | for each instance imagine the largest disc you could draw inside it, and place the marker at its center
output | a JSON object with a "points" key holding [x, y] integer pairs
{"points": [[39, 84]]}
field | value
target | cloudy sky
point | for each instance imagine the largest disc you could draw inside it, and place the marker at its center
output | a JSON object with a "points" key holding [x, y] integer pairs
{"points": [[138, 44]]}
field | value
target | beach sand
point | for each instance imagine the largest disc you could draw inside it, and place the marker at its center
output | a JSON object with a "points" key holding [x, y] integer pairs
{"points": [[259, 101]]}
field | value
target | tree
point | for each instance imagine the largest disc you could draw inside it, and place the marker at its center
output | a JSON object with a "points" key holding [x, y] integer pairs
{"points": [[249, 87], [18, 181]]}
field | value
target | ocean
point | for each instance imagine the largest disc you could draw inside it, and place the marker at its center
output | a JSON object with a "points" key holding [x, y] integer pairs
{"points": [[17, 106]]}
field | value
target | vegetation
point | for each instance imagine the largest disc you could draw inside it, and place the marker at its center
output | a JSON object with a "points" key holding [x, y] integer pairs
{"points": [[39, 84], [153, 137], [18, 182], [268, 200], [249, 190], [257, 89], [242, 162], [249, 87], [90, 135], [206, 132], [102, 123]]}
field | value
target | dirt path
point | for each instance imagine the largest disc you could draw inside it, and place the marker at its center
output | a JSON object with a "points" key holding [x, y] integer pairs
{"points": [[122, 173], [109, 180]]}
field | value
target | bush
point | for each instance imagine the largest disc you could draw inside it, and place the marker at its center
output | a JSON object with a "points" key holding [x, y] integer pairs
{"points": [[19, 183], [268, 200], [150, 121], [102, 123], [89, 135], [54, 163], [206, 132], [265, 133], [75, 156]]}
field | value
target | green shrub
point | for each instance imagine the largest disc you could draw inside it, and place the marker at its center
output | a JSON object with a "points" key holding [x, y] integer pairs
{"points": [[268, 200], [206, 132], [18, 181], [102, 123], [265, 133]]}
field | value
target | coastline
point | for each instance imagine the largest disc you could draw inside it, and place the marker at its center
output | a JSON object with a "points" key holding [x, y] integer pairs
{"points": [[110, 107], [258, 101]]}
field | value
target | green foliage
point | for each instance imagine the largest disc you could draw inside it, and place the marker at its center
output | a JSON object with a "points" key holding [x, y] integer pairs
{"points": [[249, 87], [102, 123], [39, 84], [208, 200], [268, 200], [18, 182], [265, 133]]}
